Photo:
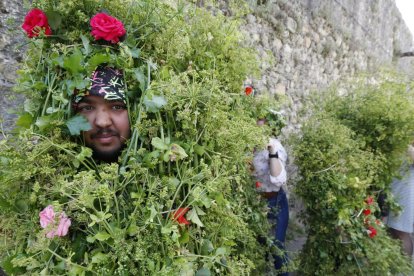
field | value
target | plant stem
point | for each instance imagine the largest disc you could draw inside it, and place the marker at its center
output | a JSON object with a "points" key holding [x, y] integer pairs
{"points": [[69, 261]]}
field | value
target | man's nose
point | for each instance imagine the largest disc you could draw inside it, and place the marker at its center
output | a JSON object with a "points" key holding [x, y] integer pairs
{"points": [[103, 118]]}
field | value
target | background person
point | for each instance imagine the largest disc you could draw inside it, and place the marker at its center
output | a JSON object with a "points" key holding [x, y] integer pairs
{"points": [[401, 224], [270, 174]]}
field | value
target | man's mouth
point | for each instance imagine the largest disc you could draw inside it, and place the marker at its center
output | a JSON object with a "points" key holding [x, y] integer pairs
{"points": [[104, 137]]}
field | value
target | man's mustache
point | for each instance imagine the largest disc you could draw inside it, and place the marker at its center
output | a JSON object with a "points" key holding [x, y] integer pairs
{"points": [[104, 132]]}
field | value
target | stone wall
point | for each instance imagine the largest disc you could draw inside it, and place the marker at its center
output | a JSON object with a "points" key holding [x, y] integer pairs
{"points": [[11, 45], [307, 45]]}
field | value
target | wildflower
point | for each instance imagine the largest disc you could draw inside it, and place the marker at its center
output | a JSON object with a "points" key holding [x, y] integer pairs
{"points": [[258, 184], [379, 223], [369, 200], [367, 212], [372, 232], [248, 90], [179, 216]]}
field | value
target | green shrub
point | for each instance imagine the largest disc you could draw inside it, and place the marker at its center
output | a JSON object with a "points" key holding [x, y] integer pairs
{"points": [[347, 152]]}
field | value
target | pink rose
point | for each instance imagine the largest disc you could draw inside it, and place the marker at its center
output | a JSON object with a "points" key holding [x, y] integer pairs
{"points": [[51, 234], [64, 224], [47, 216], [34, 22], [107, 28]]}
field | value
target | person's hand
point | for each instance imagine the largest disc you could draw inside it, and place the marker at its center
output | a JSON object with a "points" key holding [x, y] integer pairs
{"points": [[271, 148]]}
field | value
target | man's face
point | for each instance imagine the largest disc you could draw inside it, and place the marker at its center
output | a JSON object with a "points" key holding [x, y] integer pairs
{"points": [[110, 126]]}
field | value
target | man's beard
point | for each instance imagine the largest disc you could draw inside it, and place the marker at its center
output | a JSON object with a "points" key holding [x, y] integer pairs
{"points": [[107, 156]]}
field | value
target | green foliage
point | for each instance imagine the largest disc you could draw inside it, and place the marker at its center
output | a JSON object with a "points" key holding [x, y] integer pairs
{"points": [[192, 139], [348, 151]]}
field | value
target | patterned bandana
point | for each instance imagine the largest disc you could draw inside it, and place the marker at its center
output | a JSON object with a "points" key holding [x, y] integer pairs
{"points": [[106, 82]]}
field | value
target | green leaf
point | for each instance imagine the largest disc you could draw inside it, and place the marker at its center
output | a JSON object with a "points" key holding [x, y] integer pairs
{"points": [[24, 120], [81, 83], [185, 237], [207, 247], [135, 52], [73, 63], [220, 251], [150, 159], [54, 19], [90, 239], [199, 149], [97, 60], [4, 204], [77, 124], [99, 258], [39, 85], [166, 230], [56, 59], [21, 205], [165, 73], [102, 236], [76, 270], [43, 122], [132, 230], [86, 45], [192, 215], [8, 267], [154, 103], [85, 153], [203, 272], [174, 181], [140, 77], [199, 211], [51, 110], [152, 214], [158, 143]]}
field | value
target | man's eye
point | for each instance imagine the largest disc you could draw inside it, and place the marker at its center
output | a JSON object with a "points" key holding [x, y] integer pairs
{"points": [[119, 107], [85, 108]]}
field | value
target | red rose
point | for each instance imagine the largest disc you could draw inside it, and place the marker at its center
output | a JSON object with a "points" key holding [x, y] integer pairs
{"points": [[36, 21], [248, 90], [258, 184], [107, 28], [372, 232], [179, 216], [367, 212]]}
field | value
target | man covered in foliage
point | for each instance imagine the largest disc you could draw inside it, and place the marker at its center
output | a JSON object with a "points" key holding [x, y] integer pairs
{"points": [[169, 206]]}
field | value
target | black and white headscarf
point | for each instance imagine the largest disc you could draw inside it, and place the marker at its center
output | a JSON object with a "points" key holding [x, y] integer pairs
{"points": [[106, 82]]}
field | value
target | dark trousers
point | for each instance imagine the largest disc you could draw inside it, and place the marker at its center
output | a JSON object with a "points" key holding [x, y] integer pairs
{"points": [[278, 216]]}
